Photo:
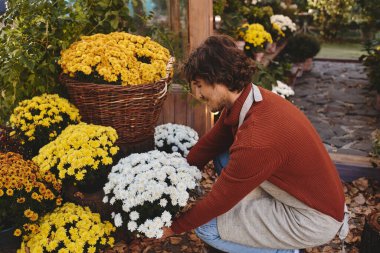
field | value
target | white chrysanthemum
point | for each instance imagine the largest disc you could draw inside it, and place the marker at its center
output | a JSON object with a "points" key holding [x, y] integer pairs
{"points": [[132, 226], [163, 202], [177, 138], [283, 90], [134, 215], [118, 220], [284, 22], [150, 181]]}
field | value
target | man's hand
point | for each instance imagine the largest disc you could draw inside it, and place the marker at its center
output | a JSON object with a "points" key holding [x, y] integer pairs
{"points": [[167, 233]]}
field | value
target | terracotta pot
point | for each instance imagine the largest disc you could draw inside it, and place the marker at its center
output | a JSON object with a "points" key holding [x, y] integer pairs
{"points": [[271, 48], [308, 64], [297, 69], [258, 56], [240, 44]]}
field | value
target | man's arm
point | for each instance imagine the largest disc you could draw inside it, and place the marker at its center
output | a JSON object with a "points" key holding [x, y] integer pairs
{"points": [[215, 142], [248, 168]]}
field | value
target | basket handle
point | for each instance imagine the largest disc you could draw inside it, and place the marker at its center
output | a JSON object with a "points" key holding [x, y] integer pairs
{"points": [[168, 69], [164, 90]]}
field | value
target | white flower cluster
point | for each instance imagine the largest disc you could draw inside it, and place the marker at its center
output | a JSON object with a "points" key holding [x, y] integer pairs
{"points": [[150, 181], [284, 22], [175, 138], [283, 89], [254, 2]]}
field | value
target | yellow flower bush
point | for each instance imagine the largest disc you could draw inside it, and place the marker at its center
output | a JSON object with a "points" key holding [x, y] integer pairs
{"points": [[118, 57], [255, 37], [70, 229], [25, 193], [82, 154], [39, 120], [277, 32]]}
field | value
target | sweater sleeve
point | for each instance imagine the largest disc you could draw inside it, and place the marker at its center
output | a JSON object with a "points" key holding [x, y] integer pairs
{"points": [[216, 141], [248, 168]]}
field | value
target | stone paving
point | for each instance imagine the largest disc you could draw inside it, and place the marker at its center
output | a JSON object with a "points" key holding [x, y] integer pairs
{"points": [[337, 99]]}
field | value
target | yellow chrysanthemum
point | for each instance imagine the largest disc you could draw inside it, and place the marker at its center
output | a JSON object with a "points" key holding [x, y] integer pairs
{"points": [[78, 150], [255, 35], [117, 57], [45, 115], [20, 182], [68, 229]]}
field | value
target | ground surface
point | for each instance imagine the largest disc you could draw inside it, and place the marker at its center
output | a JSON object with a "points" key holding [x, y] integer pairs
{"points": [[338, 100]]}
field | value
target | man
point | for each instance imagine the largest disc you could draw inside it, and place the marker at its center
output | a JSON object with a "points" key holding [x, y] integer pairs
{"points": [[277, 189]]}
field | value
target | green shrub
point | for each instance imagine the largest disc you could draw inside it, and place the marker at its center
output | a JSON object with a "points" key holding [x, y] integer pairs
{"points": [[372, 62], [302, 46], [35, 32]]}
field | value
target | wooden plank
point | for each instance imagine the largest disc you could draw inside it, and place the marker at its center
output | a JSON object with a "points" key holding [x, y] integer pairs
{"points": [[349, 173], [351, 160], [180, 108], [168, 109], [200, 22], [175, 18]]}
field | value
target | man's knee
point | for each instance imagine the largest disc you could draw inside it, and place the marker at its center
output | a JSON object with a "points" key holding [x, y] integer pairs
{"points": [[208, 232]]}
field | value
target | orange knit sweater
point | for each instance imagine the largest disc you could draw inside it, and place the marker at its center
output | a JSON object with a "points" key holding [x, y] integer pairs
{"points": [[277, 143]]}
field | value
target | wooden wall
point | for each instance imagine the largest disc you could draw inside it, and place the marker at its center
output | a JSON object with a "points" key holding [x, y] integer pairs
{"points": [[178, 107]]}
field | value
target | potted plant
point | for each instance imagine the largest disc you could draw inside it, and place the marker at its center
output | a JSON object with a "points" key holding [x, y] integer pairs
{"points": [[371, 61], [175, 138], [39, 120], [70, 228], [81, 157], [301, 49], [285, 24], [156, 186], [118, 80], [256, 39], [26, 193]]}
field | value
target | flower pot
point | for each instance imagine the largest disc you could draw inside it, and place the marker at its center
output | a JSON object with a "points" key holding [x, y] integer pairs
{"points": [[240, 44], [258, 56], [9, 242], [93, 200], [308, 64], [133, 111], [271, 48], [297, 69]]}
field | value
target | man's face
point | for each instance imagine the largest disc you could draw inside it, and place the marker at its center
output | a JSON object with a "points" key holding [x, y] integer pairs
{"points": [[214, 95]]}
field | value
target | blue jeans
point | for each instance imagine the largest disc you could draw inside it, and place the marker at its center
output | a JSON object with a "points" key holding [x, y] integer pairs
{"points": [[209, 232]]}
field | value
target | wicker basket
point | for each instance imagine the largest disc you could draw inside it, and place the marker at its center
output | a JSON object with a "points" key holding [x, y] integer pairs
{"points": [[132, 111]]}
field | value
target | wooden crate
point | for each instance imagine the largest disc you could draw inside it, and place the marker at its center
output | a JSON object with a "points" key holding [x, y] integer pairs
{"points": [[180, 108]]}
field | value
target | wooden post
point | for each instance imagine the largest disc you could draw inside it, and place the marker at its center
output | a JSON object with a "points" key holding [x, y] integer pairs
{"points": [[175, 24], [200, 22], [178, 107], [200, 27]]}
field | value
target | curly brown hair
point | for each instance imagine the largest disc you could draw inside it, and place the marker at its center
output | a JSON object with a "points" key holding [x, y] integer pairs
{"points": [[218, 60]]}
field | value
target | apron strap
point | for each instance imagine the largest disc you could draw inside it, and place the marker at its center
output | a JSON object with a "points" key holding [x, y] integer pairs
{"points": [[254, 95]]}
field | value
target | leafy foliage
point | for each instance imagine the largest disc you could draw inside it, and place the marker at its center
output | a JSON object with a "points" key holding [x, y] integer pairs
{"points": [[302, 46], [35, 32], [263, 77], [332, 15], [372, 62]]}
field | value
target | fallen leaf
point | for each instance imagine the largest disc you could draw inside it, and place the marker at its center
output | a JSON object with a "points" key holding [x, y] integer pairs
{"points": [[175, 240], [360, 199]]}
